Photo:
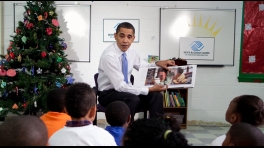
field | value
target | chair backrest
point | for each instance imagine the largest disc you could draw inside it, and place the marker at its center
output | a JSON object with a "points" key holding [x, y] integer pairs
{"points": [[96, 77]]}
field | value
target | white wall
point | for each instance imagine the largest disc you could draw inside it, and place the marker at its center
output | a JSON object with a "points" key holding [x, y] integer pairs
{"points": [[214, 87]]}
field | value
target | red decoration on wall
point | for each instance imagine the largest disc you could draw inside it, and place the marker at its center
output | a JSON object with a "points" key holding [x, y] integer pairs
{"points": [[253, 38]]}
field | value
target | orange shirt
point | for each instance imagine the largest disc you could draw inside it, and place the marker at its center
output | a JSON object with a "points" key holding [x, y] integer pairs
{"points": [[54, 121]]}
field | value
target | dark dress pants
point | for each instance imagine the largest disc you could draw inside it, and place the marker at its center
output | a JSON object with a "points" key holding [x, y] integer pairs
{"points": [[153, 102]]}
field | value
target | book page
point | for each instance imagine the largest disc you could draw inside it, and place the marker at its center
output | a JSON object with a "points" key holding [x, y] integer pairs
{"points": [[177, 77]]}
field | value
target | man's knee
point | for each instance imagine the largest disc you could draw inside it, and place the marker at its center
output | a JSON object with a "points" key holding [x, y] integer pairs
{"points": [[133, 99], [158, 96]]}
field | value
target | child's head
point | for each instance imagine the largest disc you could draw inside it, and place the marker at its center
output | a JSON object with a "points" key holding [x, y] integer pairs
{"points": [[152, 132], [244, 134], [171, 121], [55, 100], [23, 131], [246, 108], [80, 101], [117, 113]]}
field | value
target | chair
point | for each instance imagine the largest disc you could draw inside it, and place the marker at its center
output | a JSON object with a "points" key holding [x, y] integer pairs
{"points": [[101, 108]]}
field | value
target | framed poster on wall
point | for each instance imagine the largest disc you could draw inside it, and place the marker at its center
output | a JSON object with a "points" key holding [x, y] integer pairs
{"points": [[110, 26], [215, 29]]}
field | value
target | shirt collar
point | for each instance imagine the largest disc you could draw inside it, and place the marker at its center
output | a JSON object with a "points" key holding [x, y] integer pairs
{"points": [[77, 123], [118, 51]]}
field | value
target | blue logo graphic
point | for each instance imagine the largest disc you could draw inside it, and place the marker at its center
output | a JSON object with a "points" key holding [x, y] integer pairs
{"points": [[116, 26], [196, 45]]}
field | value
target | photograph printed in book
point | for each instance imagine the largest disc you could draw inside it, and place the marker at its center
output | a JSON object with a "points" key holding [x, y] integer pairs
{"points": [[176, 77]]}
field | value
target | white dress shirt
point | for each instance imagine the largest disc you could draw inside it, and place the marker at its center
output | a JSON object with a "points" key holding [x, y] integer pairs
{"points": [[110, 70]]}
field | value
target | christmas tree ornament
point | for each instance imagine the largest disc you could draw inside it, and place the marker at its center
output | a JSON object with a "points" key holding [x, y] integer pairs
{"points": [[68, 67], [70, 80], [64, 45], [23, 69], [35, 90], [58, 84], [15, 106], [55, 22], [39, 71], [19, 58], [12, 55], [43, 54], [25, 22], [25, 14], [3, 72], [59, 59], [28, 12], [32, 70], [39, 86], [6, 56], [49, 31], [40, 18], [63, 70], [29, 25], [9, 48], [35, 104], [45, 15], [16, 90], [3, 84], [50, 46], [1, 109], [24, 39], [18, 31], [27, 72], [24, 105], [51, 13], [11, 72]]}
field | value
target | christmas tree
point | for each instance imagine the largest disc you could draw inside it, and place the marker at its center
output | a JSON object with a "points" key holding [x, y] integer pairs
{"points": [[35, 62]]}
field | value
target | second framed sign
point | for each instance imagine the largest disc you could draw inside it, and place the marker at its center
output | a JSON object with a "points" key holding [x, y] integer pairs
{"points": [[110, 26]]}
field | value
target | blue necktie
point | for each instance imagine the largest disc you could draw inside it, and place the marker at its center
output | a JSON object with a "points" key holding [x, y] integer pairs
{"points": [[124, 67]]}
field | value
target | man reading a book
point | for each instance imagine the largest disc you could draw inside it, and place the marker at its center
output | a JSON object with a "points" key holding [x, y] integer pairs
{"points": [[115, 68]]}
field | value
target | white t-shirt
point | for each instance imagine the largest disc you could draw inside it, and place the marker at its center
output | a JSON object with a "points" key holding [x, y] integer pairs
{"points": [[89, 135], [218, 141]]}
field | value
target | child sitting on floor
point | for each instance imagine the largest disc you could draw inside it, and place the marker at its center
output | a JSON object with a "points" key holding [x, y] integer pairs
{"points": [[117, 115], [23, 130], [152, 132], [244, 134], [56, 117], [244, 108]]}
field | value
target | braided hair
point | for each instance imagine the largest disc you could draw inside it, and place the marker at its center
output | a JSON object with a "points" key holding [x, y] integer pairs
{"points": [[152, 132]]}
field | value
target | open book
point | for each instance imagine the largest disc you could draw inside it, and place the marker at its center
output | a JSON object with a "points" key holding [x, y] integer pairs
{"points": [[177, 77]]}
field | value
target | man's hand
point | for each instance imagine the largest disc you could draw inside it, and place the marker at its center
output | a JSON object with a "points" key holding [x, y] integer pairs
{"points": [[165, 63], [158, 87]]}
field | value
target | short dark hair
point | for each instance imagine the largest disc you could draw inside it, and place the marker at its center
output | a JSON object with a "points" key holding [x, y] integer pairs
{"points": [[79, 99], [55, 99], [244, 134], [151, 132], [117, 113], [250, 108], [24, 130], [126, 25]]}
